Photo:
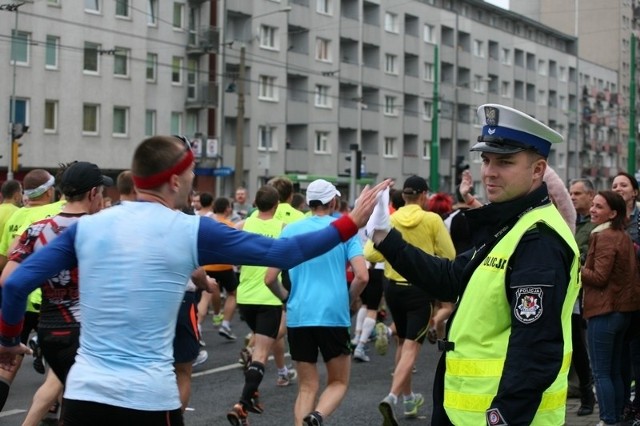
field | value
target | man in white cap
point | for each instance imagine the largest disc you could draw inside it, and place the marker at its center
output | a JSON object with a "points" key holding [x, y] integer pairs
{"points": [[508, 346], [318, 316]]}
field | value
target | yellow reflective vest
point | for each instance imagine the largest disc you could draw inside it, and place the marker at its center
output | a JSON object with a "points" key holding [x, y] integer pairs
{"points": [[482, 326]]}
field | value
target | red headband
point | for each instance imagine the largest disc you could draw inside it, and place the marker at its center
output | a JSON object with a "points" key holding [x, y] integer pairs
{"points": [[158, 179]]}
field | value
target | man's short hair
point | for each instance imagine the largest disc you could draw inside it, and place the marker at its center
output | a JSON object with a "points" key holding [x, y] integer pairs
{"points": [[284, 187], [206, 199], [9, 189], [220, 204], [588, 185], [124, 183], [267, 198], [35, 178], [156, 154]]}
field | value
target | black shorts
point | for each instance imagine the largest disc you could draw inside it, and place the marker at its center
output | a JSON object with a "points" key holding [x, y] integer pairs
{"points": [[372, 293], [305, 342], [59, 348], [186, 344], [226, 279], [410, 308], [262, 319], [82, 413]]}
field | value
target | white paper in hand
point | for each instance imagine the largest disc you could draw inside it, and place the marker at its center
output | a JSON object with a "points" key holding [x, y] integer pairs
{"points": [[379, 219]]}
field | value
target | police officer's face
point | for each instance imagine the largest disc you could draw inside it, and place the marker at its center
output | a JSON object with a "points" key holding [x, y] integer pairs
{"points": [[510, 176]]}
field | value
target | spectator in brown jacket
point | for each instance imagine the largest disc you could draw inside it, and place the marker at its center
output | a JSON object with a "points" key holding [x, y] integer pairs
{"points": [[609, 276]]}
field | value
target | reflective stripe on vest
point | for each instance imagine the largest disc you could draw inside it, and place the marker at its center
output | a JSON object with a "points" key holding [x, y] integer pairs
{"points": [[482, 326]]}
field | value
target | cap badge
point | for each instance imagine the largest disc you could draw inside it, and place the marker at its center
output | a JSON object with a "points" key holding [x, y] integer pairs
{"points": [[491, 116], [491, 131]]}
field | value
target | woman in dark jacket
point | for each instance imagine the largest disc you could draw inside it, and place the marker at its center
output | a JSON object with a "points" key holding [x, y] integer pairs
{"points": [[608, 278]]}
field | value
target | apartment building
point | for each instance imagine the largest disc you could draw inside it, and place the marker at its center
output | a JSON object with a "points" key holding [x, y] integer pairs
{"points": [[92, 78]]}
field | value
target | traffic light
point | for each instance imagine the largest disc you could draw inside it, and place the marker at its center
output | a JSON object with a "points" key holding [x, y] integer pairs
{"points": [[358, 164], [15, 155], [461, 166], [17, 130]]}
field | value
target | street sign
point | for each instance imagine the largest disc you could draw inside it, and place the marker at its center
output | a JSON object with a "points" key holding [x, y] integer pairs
{"points": [[223, 171]]}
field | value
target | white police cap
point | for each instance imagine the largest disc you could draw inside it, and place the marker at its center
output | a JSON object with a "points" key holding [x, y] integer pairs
{"points": [[507, 131]]}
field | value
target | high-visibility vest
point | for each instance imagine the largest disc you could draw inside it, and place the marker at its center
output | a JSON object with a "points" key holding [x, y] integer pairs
{"points": [[481, 328]]}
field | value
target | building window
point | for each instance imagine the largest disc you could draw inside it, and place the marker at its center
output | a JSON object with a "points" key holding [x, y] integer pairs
{"points": [[322, 143], [505, 56], [152, 67], [427, 110], [120, 121], [391, 23], [176, 123], [266, 138], [22, 110], [322, 96], [267, 90], [390, 63], [150, 122], [191, 126], [542, 67], [53, 2], [322, 50], [426, 150], [563, 74], [268, 37], [478, 48], [176, 70], [390, 147], [505, 89], [478, 84], [192, 79], [542, 98], [51, 54], [122, 8], [390, 105], [90, 119], [178, 16], [429, 34], [92, 6], [20, 41], [91, 58], [152, 12], [121, 62], [428, 71], [50, 116], [324, 7]]}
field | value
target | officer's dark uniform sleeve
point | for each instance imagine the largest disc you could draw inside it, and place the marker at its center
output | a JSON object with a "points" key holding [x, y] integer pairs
{"points": [[437, 276], [538, 275]]}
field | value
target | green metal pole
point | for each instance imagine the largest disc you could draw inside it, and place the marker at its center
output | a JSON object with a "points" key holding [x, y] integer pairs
{"points": [[631, 161], [434, 175]]}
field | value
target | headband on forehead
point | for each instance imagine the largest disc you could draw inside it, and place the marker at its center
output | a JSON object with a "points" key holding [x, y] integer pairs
{"points": [[36, 192], [158, 179]]}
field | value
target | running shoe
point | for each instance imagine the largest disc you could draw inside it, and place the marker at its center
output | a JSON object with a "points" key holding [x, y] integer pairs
{"points": [[360, 355], [217, 319], [286, 379], [386, 409], [201, 359], [382, 340], [411, 406], [238, 416], [254, 405], [313, 419], [226, 332]]}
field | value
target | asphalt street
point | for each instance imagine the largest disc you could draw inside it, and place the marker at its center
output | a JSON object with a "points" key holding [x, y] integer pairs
{"points": [[216, 386]]}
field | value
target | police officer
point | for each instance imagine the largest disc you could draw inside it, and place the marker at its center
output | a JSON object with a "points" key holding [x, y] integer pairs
{"points": [[508, 346]]}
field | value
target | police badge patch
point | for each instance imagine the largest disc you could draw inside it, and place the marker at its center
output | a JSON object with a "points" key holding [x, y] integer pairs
{"points": [[491, 115], [528, 304]]}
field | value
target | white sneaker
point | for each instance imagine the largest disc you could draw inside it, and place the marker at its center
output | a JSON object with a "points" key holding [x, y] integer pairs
{"points": [[226, 332], [360, 355], [203, 356]]}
